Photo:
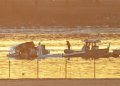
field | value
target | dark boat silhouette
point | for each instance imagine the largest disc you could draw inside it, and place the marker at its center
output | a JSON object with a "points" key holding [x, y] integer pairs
{"points": [[25, 50], [89, 50]]}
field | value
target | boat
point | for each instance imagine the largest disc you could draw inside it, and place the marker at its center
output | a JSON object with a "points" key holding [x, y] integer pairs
{"points": [[89, 50], [26, 50]]}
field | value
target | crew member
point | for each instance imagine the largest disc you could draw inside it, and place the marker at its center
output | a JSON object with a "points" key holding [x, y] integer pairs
{"points": [[68, 44], [39, 49]]}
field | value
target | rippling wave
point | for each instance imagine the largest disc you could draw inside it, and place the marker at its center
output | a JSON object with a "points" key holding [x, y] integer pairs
{"points": [[55, 41]]}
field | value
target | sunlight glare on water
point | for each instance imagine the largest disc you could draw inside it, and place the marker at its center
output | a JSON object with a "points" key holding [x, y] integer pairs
{"points": [[56, 43]]}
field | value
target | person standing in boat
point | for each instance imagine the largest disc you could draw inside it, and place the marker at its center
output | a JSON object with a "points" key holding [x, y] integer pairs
{"points": [[68, 44], [39, 49]]}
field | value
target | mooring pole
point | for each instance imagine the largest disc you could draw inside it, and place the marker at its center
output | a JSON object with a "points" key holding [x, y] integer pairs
{"points": [[37, 68], [65, 68], [9, 68], [94, 68]]}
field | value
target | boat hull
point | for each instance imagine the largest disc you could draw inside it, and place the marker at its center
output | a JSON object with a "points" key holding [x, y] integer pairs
{"points": [[89, 53]]}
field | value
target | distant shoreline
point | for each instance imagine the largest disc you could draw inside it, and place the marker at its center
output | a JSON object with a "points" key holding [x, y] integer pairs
{"points": [[61, 30], [57, 27]]}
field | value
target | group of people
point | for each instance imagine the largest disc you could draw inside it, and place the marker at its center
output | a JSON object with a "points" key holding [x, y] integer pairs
{"points": [[87, 45], [94, 45]]}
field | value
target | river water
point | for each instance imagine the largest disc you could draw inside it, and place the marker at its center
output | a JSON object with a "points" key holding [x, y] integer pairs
{"points": [[55, 41]]}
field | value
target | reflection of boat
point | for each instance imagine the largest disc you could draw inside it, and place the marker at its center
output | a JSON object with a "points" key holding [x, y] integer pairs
{"points": [[89, 50], [25, 50]]}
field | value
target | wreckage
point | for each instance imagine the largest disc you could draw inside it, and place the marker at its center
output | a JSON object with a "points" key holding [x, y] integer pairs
{"points": [[26, 50]]}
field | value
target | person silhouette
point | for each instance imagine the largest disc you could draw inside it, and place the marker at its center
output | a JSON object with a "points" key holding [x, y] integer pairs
{"points": [[39, 48], [68, 44]]}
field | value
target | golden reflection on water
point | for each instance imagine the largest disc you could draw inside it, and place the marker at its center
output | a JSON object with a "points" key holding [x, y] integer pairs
{"points": [[57, 67]]}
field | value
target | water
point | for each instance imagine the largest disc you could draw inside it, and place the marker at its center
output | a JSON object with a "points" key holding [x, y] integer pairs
{"points": [[55, 41], [61, 30]]}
